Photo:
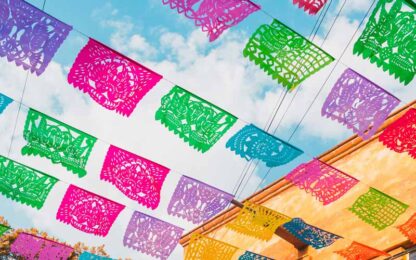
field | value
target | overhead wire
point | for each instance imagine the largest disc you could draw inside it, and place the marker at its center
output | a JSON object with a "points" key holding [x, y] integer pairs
{"points": [[311, 37], [327, 78], [333, 68], [275, 112]]}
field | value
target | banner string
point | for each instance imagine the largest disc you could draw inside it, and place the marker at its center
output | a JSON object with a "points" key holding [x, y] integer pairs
{"points": [[338, 61], [321, 88]]}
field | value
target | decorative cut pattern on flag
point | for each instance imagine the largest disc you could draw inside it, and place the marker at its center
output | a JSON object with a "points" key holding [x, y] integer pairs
{"points": [[310, 6], [151, 236], [3, 229], [253, 143], [88, 212], [323, 181], [252, 256], [136, 177], [388, 39], [26, 246], [53, 250], [284, 54], [359, 104], [196, 201], [4, 102], [378, 209], [23, 184], [59, 142], [359, 251], [310, 235], [203, 247], [28, 36], [34, 247], [88, 256], [257, 221], [196, 121], [400, 136], [409, 228], [111, 79], [214, 17]]}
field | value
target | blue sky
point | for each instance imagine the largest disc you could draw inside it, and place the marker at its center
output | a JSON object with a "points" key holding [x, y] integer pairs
{"points": [[159, 38]]}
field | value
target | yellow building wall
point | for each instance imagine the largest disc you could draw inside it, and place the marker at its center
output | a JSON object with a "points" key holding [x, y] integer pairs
{"points": [[374, 165]]}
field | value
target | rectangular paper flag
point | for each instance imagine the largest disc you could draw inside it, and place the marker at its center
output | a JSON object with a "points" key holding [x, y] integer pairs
{"points": [[3, 229], [310, 235], [257, 221], [311, 6], [203, 247], [253, 143], [29, 36], [59, 142], [87, 211], [359, 104], [388, 39], [409, 228], [400, 136], [378, 209], [195, 120], [151, 236], [34, 247], [24, 184], [4, 102], [113, 80], [323, 181], [359, 251], [196, 201], [284, 54], [136, 177], [214, 17]]}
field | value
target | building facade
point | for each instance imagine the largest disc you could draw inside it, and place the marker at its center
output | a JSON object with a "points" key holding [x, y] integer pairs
{"points": [[370, 162]]}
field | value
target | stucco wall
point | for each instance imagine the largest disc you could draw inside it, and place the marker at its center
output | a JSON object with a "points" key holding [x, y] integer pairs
{"points": [[374, 165]]}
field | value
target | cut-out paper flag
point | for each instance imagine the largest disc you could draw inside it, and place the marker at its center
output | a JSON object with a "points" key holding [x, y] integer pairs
{"points": [[32, 247], [357, 251], [257, 221], [136, 177], [110, 78], [253, 143], [59, 142], [151, 236], [388, 39], [359, 104], [378, 209], [252, 256], [195, 120], [24, 184], [196, 201], [4, 102], [214, 17], [310, 235], [203, 247], [88, 212], [27, 246], [323, 181], [89, 256], [3, 229], [284, 54], [28, 36], [311, 6], [400, 136], [409, 228]]}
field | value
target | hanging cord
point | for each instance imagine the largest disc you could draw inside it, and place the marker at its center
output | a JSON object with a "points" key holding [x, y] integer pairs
{"points": [[332, 70], [21, 101], [312, 36], [330, 73]]}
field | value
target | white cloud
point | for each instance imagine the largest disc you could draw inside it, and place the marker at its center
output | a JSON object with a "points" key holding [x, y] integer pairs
{"points": [[220, 75]]}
